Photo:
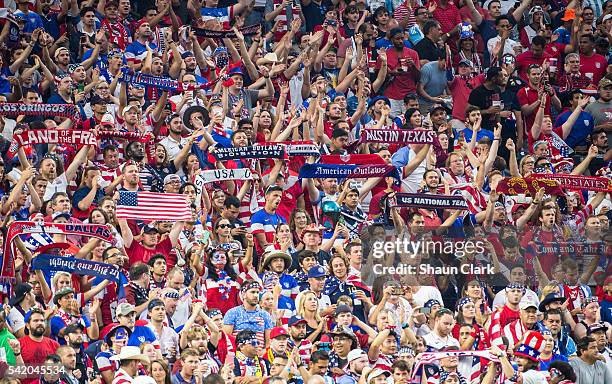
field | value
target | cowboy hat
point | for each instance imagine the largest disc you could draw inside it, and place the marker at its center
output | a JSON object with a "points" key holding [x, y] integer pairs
{"points": [[273, 255], [190, 111], [130, 353]]}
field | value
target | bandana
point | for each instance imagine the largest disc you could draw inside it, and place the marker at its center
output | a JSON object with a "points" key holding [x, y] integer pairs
{"points": [[251, 286], [463, 302], [588, 301], [516, 286], [431, 303], [172, 295], [214, 312]]}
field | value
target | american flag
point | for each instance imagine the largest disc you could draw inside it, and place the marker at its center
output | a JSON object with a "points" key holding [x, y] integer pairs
{"points": [[153, 206], [33, 241]]}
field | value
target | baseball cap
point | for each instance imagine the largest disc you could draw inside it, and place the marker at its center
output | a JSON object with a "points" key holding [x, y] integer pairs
{"points": [[172, 178], [316, 271], [605, 82], [595, 327], [73, 328], [524, 304], [466, 62], [277, 332], [65, 215], [149, 229], [108, 119], [342, 308], [295, 320], [355, 354], [125, 309]]}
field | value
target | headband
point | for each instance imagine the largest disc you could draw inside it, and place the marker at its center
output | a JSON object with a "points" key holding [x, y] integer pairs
{"points": [[214, 312], [589, 300], [516, 286], [430, 303], [463, 302], [252, 285], [445, 374], [250, 339]]}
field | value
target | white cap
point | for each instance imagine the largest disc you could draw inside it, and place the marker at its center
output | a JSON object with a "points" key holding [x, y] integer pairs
{"points": [[355, 354]]}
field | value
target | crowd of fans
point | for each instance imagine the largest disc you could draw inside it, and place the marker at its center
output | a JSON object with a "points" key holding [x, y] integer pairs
{"points": [[275, 278]]}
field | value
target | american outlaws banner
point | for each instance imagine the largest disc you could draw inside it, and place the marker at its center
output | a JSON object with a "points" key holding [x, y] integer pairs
{"points": [[577, 182], [323, 171], [423, 200], [398, 136], [298, 148], [255, 152], [61, 110], [359, 158], [128, 76], [77, 137], [528, 186], [249, 30], [77, 266]]}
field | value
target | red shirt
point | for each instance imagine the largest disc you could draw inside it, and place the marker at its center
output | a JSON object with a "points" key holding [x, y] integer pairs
{"points": [[595, 64], [448, 16], [137, 252], [35, 352], [527, 96], [289, 201], [525, 59], [404, 82], [555, 50]]}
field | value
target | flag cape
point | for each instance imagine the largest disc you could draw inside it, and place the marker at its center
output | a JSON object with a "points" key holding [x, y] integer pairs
{"points": [[77, 137], [427, 358], [76, 266], [428, 201], [322, 171], [398, 136], [578, 182], [275, 151], [528, 186]]}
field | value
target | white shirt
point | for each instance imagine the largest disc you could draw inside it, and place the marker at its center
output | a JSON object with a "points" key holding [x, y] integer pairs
{"points": [[60, 184], [426, 293], [508, 46], [438, 343], [500, 298], [173, 147]]}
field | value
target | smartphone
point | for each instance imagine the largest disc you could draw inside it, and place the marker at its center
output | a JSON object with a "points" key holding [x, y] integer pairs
{"points": [[426, 310], [398, 291], [81, 87]]}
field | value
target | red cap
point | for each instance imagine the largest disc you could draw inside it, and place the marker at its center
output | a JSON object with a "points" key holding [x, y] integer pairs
{"points": [[278, 331]]}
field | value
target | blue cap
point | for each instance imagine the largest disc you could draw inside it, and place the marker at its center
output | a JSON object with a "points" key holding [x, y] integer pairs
{"points": [[295, 320], [376, 98], [316, 271]]}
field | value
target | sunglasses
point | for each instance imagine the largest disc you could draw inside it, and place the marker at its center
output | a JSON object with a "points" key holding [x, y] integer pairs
{"points": [[223, 226]]}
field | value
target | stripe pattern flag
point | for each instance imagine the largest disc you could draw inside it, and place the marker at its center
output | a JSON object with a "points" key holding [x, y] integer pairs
{"points": [[149, 206]]}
